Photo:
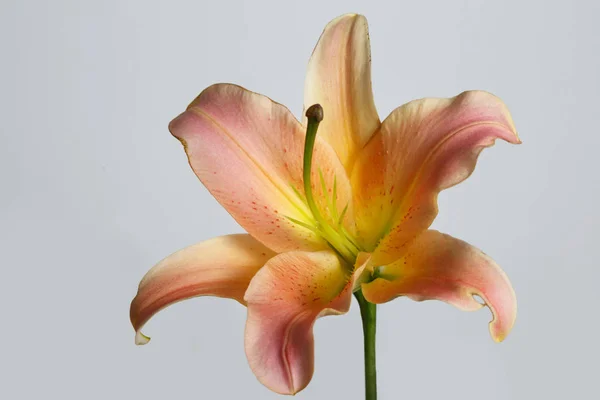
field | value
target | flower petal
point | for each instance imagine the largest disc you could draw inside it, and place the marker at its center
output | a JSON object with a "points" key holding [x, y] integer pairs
{"points": [[339, 78], [438, 266], [423, 147], [284, 299], [247, 150], [221, 267]]}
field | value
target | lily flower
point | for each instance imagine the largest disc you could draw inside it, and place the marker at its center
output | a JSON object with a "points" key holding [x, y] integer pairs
{"points": [[343, 211]]}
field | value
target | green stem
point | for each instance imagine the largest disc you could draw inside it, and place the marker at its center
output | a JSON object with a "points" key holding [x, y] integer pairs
{"points": [[368, 312]]}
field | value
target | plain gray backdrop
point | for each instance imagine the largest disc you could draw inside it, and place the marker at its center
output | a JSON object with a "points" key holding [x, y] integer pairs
{"points": [[94, 191]]}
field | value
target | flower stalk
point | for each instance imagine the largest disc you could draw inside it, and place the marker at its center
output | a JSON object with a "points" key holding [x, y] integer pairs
{"points": [[368, 313]]}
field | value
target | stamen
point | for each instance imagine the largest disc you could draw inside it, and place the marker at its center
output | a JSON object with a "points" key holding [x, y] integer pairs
{"points": [[343, 215], [334, 199], [350, 239], [303, 224], [297, 193], [323, 186]]}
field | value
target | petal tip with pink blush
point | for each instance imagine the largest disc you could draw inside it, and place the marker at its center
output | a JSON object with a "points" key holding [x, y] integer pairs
{"points": [[495, 105], [501, 326], [177, 127]]}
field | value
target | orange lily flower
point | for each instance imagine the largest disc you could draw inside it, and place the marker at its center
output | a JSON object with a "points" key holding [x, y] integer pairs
{"points": [[345, 211]]}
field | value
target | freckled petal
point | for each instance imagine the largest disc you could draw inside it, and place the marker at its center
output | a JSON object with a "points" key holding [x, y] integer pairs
{"points": [[438, 266], [284, 299], [247, 150], [339, 78], [221, 267], [423, 147]]}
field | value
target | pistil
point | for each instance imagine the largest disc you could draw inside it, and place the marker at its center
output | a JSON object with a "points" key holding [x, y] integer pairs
{"points": [[337, 236], [314, 114]]}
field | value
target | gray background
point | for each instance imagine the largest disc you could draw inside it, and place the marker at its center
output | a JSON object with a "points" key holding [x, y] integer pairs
{"points": [[95, 191]]}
